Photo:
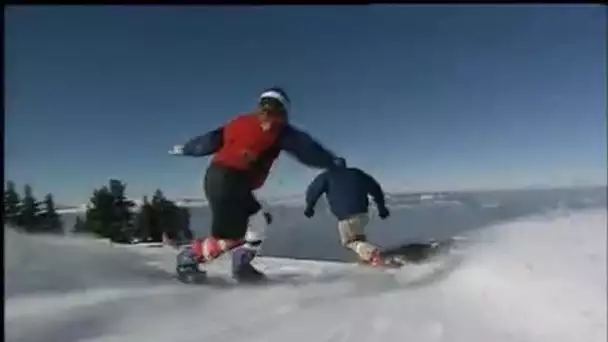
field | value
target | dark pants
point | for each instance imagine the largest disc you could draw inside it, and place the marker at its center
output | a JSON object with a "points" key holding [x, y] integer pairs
{"points": [[231, 201]]}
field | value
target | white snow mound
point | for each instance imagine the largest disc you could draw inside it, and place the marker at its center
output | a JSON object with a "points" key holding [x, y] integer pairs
{"points": [[541, 279]]}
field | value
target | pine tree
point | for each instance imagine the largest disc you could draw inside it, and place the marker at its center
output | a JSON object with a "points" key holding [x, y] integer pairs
{"points": [[12, 204], [145, 221], [50, 222], [172, 220], [159, 212], [79, 225], [109, 214], [184, 227], [29, 218], [123, 212], [99, 215]]}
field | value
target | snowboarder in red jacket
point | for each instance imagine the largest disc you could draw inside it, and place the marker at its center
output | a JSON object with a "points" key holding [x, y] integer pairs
{"points": [[244, 150]]}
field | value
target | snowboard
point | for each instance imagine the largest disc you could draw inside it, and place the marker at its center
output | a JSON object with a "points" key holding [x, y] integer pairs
{"points": [[189, 273], [199, 277], [414, 253], [395, 257]]}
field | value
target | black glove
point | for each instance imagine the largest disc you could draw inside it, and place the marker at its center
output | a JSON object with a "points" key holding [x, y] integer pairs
{"points": [[309, 212], [268, 217], [383, 212]]}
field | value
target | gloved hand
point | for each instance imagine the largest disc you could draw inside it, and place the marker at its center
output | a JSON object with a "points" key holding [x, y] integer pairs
{"points": [[309, 212], [383, 213], [268, 217], [177, 150]]}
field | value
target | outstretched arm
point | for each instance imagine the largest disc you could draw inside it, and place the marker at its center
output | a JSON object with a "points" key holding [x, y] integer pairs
{"points": [[374, 189], [204, 145], [316, 188], [307, 150]]}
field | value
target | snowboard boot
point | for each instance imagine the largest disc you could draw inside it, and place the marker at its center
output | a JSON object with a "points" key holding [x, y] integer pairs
{"points": [[378, 259], [242, 270], [187, 267], [211, 248]]}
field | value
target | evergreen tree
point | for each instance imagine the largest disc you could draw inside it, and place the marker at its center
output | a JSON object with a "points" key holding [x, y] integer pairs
{"points": [[145, 221], [79, 225], [123, 205], [158, 198], [161, 219], [186, 233], [50, 220], [98, 216], [109, 214], [12, 204], [123, 212], [29, 218], [171, 219]]}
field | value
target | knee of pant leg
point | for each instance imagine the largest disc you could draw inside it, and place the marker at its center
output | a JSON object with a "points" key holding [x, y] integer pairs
{"points": [[252, 204], [256, 228], [255, 233], [360, 238], [356, 238], [253, 240]]}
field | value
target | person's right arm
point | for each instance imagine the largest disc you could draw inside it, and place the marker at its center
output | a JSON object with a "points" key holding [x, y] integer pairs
{"points": [[203, 145]]}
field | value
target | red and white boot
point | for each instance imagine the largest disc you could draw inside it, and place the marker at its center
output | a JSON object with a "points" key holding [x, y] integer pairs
{"points": [[211, 248], [376, 259], [379, 260]]}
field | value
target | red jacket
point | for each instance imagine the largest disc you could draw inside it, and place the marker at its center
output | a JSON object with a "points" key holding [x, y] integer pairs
{"points": [[243, 144], [247, 146]]}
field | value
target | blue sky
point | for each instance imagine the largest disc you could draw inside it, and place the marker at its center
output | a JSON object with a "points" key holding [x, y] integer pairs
{"points": [[422, 97]]}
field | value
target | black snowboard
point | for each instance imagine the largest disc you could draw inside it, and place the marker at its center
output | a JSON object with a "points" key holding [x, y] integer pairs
{"points": [[197, 277], [190, 275], [416, 252]]}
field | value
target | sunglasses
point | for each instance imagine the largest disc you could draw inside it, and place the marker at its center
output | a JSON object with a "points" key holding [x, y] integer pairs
{"points": [[273, 105]]}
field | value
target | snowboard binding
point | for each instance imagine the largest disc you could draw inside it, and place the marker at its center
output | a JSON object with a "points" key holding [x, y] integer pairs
{"points": [[187, 269], [242, 270]]}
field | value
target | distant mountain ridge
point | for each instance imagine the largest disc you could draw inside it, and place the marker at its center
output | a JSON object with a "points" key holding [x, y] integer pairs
{"points": [[289, 200], [485, 198]]}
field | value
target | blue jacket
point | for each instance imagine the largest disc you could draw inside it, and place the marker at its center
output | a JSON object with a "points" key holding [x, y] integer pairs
{"points": [[346, 189]]}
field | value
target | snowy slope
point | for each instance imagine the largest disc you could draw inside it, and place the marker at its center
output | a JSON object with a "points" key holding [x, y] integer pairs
{"points": [[539, 279]]}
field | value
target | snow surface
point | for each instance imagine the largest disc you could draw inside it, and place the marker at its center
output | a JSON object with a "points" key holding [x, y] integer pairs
{"points": [[534, 279]]}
